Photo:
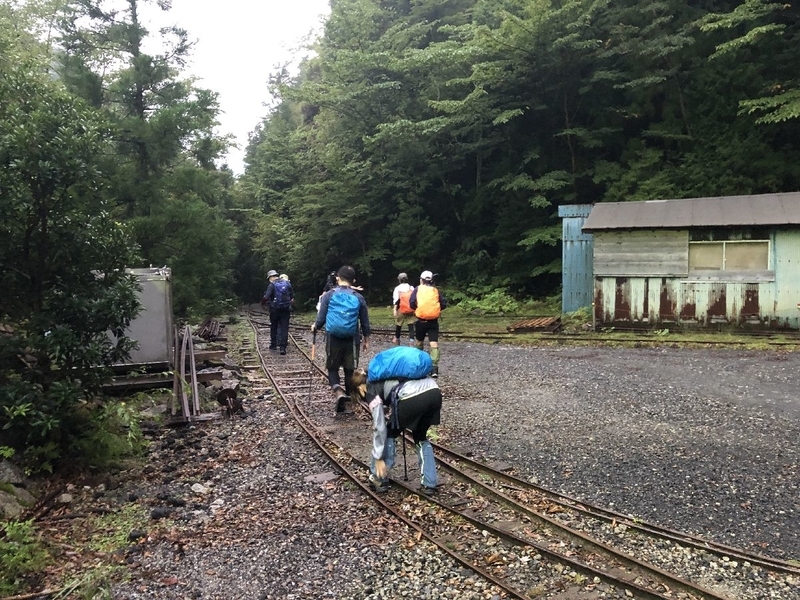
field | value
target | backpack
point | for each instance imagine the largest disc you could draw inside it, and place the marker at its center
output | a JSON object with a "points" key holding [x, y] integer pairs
{"points": [[400, 362], [342, 318], [404, 303], [428, 306], [283, 295]]}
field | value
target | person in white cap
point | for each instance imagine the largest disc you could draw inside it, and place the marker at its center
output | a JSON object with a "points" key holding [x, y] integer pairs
{"points": [[428, 303], [401, 309]]}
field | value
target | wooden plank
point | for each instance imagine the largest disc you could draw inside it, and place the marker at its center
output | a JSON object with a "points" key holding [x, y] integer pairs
{"points": [[160, 380], [641, 253], [201, 356]]}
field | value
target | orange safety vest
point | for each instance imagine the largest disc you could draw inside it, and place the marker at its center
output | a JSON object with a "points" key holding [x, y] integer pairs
{"points": [[428, 306]]}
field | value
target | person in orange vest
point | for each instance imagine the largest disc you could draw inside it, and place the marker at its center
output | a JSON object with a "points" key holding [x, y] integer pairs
{"points": [[428, 303], [401, 309]]}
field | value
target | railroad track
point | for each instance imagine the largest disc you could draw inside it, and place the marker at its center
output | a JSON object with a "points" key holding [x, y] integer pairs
{"points": [[529, 542], [787, 340]]}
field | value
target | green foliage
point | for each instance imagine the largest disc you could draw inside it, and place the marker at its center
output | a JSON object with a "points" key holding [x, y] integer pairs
{"points": [[112, 431], [22, 555], [164, 149], [444, 135], [578, 318], [65, 288], [491, 302], [112, 529]]}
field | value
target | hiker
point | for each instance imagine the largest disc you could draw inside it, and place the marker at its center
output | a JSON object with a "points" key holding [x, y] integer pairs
{"points": [[401, 309], [397, 380], [330, 283], [341, 309], [428, 303], [280, 298]]}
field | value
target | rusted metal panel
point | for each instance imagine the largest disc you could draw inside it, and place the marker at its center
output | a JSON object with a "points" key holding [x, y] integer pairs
{"points": [[725, 211], [667, 303], [770, 299], [785, 298], [622, 303], [641, 253], [627, 301], [576, 258]]}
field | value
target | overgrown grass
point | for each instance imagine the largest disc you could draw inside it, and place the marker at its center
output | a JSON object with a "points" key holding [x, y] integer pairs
{"points": [[22, 555], [110, 531]]}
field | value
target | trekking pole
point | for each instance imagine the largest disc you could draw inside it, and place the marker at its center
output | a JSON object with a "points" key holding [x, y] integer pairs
{"points": [[311, 365], [405, 463]]}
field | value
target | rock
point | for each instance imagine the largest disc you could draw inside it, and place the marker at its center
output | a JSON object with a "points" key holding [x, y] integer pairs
{"points": [[10, 473]]}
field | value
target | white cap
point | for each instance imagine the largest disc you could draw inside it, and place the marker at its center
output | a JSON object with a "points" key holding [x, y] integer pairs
{"points": [[426, 276]]}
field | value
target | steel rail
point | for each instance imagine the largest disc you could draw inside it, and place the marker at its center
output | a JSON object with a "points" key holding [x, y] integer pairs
{"points": [[581, 538], [576, 564], [560, 337], [323, 442], [591, 511], [317, 437], [608, 515]]}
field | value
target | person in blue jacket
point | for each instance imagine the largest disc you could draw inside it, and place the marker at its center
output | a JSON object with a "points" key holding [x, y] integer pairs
{"points": [[342, 349]]}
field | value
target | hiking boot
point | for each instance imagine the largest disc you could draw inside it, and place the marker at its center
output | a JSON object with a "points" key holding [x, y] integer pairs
{"points": [[435, 372], [341, 398], [283, 350], [378, 485], [428, 491]]}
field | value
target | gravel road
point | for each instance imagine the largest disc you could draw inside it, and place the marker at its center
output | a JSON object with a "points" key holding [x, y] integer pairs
{"points": [[703, 441], [696, 440]]}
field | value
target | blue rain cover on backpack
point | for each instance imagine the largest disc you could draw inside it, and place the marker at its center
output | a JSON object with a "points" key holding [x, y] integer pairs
{"points": [[400, 362], [342, 318], [283, 298]]}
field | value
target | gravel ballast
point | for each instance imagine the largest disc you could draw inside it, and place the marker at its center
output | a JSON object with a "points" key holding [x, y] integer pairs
{"points": [[703, 441], [696, 440]]}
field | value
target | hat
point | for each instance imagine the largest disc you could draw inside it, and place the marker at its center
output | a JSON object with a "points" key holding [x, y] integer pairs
{"points": [[426, 276], [272, 273], [402, 277]]}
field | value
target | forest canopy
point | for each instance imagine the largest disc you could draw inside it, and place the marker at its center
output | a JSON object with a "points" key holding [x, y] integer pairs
{"points": [[445, 134]]}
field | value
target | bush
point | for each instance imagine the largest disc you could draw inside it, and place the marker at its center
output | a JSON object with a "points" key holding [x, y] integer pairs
{"points": [[21, 555]]}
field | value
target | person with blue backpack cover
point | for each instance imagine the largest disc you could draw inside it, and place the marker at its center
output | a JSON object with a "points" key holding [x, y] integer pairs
{"points": [[401, 395], [280, 299], [341, 311]]}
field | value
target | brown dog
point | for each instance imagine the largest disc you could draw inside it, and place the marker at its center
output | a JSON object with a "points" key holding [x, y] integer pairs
{"points": [[358, 385]]}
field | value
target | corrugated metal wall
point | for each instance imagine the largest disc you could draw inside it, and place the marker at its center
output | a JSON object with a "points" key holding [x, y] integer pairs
{"points": [[576, 258], [654, 301]]}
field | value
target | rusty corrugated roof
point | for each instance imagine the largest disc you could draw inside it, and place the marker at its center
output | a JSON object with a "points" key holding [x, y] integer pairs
{"points": [[722, 211]]}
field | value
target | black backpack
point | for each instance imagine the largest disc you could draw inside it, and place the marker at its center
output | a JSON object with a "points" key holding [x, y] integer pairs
{"points": [[283, 294]]}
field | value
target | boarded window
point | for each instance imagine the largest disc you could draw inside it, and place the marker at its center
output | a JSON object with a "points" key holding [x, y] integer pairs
{"points": [[729, 256]]}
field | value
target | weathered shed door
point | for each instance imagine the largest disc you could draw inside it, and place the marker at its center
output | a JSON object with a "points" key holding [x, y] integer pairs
{"points": [[576, 259]]}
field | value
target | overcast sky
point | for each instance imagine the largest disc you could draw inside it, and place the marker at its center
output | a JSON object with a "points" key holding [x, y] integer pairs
{"points": [[239, 43]]}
